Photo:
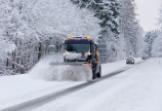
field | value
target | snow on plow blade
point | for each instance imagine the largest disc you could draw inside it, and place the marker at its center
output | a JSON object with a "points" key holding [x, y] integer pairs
{"points": [[70, 64], [48, 69], [72, 71]]}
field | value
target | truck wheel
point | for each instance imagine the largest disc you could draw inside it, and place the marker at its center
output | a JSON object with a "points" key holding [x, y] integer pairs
{"points": [[99, 73], [94, 74]]}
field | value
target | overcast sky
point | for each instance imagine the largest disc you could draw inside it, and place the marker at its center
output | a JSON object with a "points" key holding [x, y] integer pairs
{"points": [[148, 11]]}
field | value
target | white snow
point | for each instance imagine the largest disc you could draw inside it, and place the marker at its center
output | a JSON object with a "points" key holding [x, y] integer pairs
{"points": [[50, 69], [72, 55], [138, 89], [20, 88], [6, 48], [61, 16], [157, 47]]}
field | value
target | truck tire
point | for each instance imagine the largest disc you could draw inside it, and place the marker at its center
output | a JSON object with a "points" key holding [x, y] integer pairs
{"points": [[94, 74], [99, 73]]}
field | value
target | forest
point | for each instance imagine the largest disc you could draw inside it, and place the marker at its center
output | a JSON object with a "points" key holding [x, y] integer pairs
{"points": [[32, 29]]}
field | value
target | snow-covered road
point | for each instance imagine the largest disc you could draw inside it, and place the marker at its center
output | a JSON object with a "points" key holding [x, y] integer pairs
{"points": [[137, 89]]}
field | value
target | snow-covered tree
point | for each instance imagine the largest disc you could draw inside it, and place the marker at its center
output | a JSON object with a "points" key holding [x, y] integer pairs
{"points": [[29, 28], [149, 41], [32, 26], [130, 28], [61, 16], [108, 12], [157, 47], [160, 17], [153, 40]]}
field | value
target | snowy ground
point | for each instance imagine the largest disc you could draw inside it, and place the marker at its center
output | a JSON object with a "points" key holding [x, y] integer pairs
{"points": [[39, 82], [137, 89]]}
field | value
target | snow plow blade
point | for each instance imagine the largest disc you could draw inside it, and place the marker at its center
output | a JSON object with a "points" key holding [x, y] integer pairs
{"points": [[72, 71], [71, 64]]}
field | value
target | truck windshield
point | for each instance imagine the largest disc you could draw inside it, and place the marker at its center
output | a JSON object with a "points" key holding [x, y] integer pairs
{"points": [[78, 48]]}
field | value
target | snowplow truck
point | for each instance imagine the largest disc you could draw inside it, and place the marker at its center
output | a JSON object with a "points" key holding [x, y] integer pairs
{"points": [[83, 50]]}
